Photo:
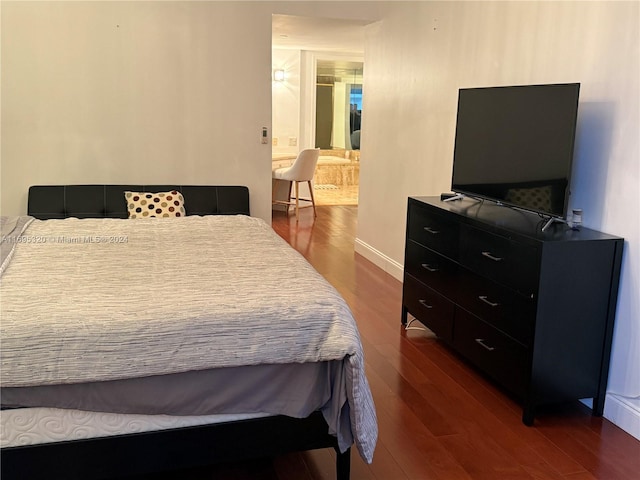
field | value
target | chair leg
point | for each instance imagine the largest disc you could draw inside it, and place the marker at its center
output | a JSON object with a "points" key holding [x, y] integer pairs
{"points": [[289, 197], [313, 200], [297, 201], [274, 193], [274, 189]]}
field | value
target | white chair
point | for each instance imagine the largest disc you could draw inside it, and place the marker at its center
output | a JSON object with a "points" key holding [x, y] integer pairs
{"points": [[302, 170]]}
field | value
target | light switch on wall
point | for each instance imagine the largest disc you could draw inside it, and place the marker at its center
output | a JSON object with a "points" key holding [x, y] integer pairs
{"points": [[293, 141]]}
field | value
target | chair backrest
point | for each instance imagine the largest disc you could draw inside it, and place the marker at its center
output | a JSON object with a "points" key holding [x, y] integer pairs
{"points": [[304, 166]]}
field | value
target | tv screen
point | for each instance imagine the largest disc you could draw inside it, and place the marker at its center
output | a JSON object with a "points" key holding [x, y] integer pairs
{"points": [[514, 145]]}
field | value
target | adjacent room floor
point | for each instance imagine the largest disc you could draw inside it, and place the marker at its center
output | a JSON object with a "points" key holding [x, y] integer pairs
{"points": [[329, 194]]}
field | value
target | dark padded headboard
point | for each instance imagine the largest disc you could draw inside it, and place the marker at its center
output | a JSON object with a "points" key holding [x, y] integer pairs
{"points": [[95, 201]]}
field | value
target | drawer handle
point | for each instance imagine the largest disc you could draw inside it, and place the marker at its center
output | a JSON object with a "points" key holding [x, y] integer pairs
{"points": [[490, 256], [480, 341], [486, 300], [428, 267], [425, 304], [431, 230]]}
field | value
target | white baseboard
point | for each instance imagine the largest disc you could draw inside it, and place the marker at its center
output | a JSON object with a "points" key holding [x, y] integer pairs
{"points": [[623, 412], [379, 259]]}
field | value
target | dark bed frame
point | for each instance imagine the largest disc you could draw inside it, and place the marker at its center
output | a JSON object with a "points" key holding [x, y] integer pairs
{"points": [[165, 450], [95, 201]]}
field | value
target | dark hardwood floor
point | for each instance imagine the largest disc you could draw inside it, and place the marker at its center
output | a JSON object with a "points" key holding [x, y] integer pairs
{"points": [[438, 417]]}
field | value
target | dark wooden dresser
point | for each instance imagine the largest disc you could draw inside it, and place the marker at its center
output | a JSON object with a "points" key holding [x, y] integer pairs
{"points": [[532, 310]]}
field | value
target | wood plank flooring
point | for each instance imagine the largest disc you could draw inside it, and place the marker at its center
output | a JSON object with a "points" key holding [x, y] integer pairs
{"points": [[438, 417]]}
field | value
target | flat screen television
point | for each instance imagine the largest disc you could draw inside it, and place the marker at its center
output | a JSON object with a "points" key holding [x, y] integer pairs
{"points": [[514, 145]]}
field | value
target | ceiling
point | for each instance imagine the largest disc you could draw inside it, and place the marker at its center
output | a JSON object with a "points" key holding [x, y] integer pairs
{"points": [[319, 34]]}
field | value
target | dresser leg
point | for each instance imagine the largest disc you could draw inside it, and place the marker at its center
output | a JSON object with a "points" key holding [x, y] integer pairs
{"points": [[598, 405], [403, 318], [528, 414]]}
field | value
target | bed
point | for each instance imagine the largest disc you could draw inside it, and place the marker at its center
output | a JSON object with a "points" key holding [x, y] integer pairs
{"points": [[164, 369]]}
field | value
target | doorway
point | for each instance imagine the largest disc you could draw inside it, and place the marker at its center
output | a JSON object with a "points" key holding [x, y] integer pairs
{"points": [[317, 99]]}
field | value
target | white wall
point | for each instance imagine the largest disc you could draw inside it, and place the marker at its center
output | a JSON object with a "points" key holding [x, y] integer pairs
{"points": [[135, 92], [286, 101], [418, 57], [140, 92], [340, 126]]}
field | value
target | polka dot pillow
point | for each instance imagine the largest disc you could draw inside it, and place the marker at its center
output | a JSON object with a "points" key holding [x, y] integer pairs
{"points": [[161, 204]]}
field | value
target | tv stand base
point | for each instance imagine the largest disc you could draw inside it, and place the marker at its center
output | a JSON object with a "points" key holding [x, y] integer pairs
{"points": [[551, 221], [457, 196]]}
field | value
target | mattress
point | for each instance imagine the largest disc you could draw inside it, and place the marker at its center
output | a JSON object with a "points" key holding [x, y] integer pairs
{"points": [[140, 298]]}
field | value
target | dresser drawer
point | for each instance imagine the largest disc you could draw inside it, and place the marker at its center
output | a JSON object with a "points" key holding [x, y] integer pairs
{"points": [[434, 231], [432, 269], [431, 308], [508, 311], [500, 357], [506, 261]]}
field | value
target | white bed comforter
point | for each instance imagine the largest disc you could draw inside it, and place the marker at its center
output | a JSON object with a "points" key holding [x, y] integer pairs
{"points": [[103, 299]]}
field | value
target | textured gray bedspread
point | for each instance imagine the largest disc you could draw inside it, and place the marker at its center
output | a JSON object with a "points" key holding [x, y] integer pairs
{"points": [[106, 299], [11, 229]]}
